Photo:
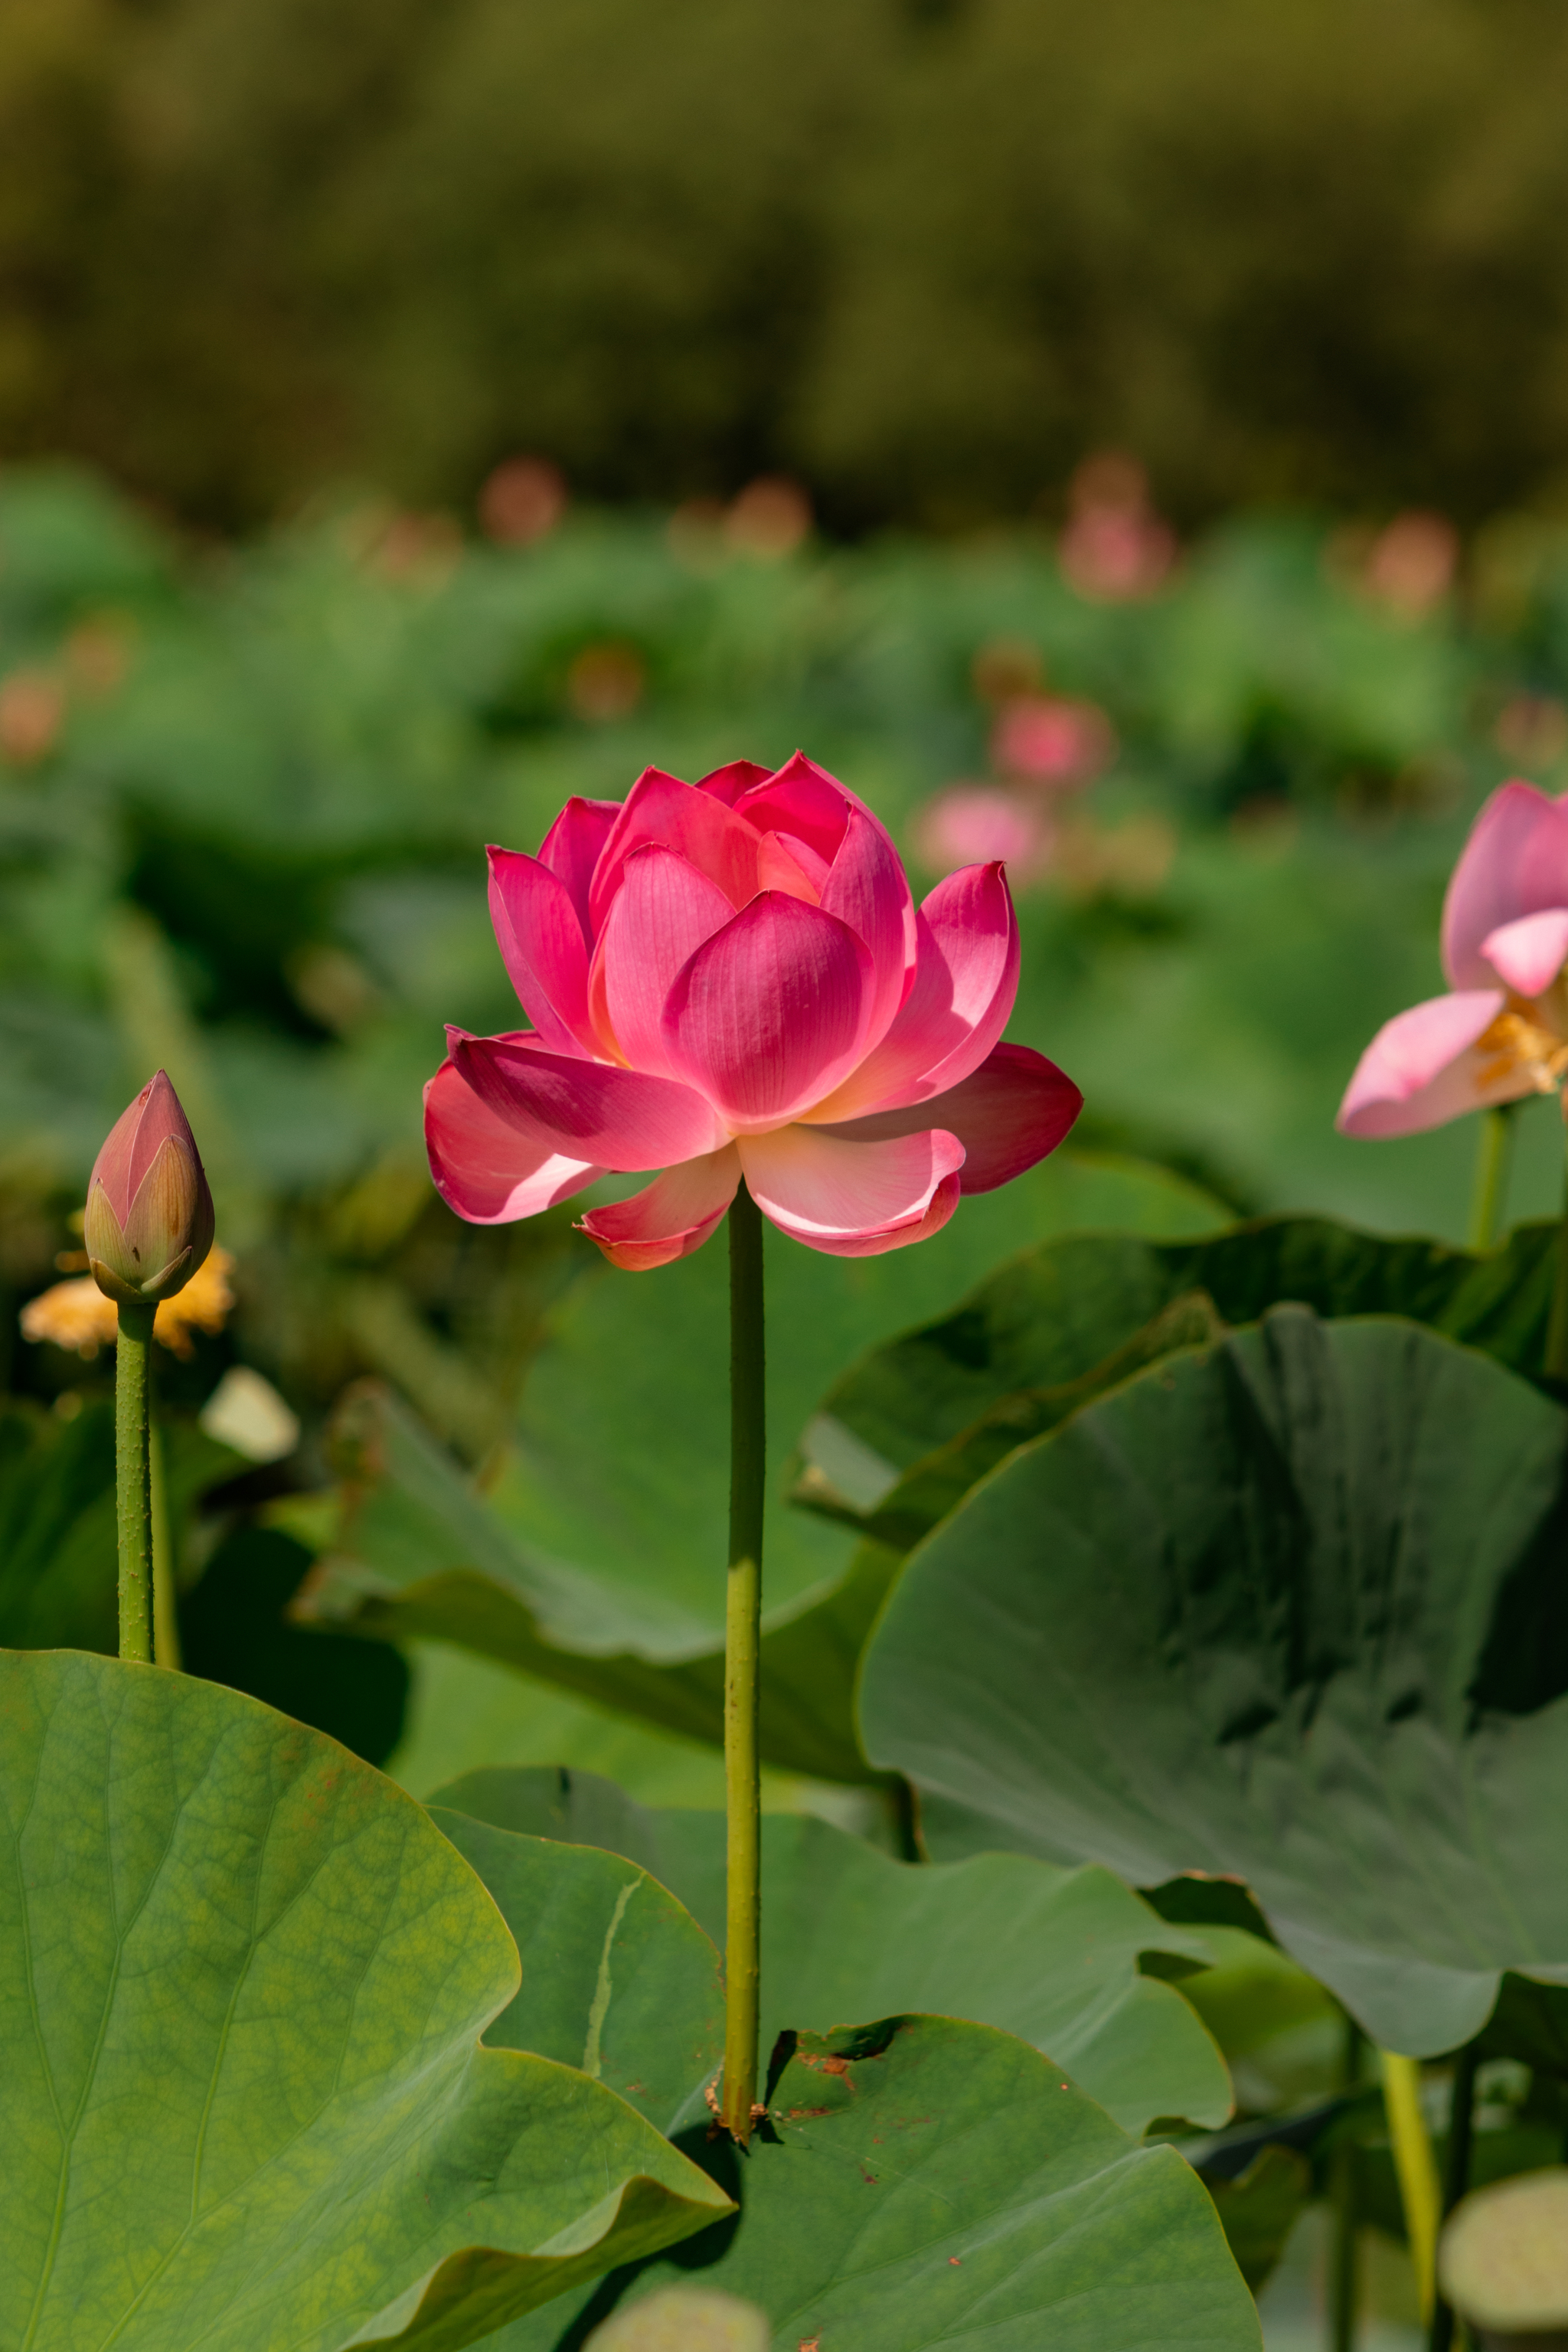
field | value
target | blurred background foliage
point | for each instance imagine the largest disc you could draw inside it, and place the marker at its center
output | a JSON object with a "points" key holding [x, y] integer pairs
{"points": [[922, 252]]}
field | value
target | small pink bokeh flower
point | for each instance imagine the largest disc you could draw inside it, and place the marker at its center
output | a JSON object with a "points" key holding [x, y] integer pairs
{"points": [[1048, 740], [1115, 547], [967, 825], [1411, 565], [1501, 1031], [731, 980]]}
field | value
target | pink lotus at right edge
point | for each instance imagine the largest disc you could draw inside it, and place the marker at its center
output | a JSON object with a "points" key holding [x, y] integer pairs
{"points": [[1501, 1031]]}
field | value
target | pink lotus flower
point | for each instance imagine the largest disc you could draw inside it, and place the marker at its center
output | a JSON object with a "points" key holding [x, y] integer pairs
{"points": [[981, 821], [1502, 1030], [731, 980], [1042, 738]]}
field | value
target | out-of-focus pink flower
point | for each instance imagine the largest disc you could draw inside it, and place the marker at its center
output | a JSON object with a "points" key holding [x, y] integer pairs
{"points": [[1411, 564], [32, 712], [1042, 739], [731, 980], [1531, 728], [770, 518], [522, 500], [1115, 547], [970, 825], [1502, 1032]]}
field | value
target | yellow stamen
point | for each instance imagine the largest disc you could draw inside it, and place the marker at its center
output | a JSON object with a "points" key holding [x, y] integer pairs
{"points": [[1520, 1042]]}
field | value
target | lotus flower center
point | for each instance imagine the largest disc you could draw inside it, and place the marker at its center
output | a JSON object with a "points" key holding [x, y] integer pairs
{"points": [[1518, 1040]]}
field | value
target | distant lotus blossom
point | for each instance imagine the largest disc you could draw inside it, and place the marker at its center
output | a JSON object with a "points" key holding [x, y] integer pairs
{"points": [[770, 518], [1115, 546], [1502, 1032], [32, 712], [1041, 739], [731, 981], [1411, 565], [522, 502], [970, 825], [1533, 728]]}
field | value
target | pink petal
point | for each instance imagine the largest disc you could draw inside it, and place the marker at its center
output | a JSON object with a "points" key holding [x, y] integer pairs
{"points": [[771, 1014], [662, 913], [728, 783], [1425, 1066], [1515, 863], [670, 1217], [1530, 953], [853, 1199], [483, 1168], [661, 809], [966, 977], [135, 1140], [571, 849], [867, 888], [783, 866], [588, 1110], [803, 799], [1007, 1114], [541, 944]]}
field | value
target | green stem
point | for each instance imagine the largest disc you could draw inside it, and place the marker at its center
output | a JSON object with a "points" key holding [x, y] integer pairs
{"points": [[134, 1481], [1416, 2170], [166, 1602], [1457, 2178], [1555, 1364], [742, 1641], [1494, 1157], [1344, 2282]]}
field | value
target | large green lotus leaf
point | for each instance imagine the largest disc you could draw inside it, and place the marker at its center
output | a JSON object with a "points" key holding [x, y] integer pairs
{"points": [[244, 2106], [423, 1555], [621, 1463], [1048, 1954], [617, 1978], [1043, 1332], [1288, 1609], [926, 2181]]}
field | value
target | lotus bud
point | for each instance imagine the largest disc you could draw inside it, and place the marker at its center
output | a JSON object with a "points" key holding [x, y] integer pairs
{"points": [[149, 1219]]}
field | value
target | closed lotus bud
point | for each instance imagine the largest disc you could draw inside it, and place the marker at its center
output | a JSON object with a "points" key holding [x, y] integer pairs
{"points": [[149, 1219]]}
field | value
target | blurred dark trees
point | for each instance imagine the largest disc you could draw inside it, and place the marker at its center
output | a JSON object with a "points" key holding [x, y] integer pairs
{"points": [[923, 253]]}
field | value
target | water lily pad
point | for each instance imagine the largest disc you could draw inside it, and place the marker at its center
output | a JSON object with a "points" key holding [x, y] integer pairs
{"points": [[1051, 1955], [595, 1558], [1050, 1329], [1288, 1609], [924, 2181], [242, 2095], [617, 1978]]}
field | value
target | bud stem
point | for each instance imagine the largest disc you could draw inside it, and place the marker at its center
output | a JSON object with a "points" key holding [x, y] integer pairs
{"points": [[134, 1481]]}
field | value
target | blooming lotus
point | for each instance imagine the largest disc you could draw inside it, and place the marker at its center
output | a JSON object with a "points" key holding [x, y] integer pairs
{"points": [[731, 980], [1502, 1032]]}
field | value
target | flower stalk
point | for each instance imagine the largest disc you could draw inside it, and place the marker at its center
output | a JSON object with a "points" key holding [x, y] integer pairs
{"points": [[134, 1480], [1494, 1158], [742, 1641], [1555, 1363], [1417, 2169]]}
